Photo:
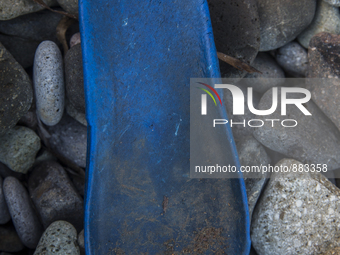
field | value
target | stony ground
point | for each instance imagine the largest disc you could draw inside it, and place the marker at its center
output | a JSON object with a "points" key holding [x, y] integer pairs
{"points": [[43, 126]]}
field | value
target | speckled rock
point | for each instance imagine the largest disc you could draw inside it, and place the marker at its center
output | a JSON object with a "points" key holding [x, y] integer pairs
{"points": [[327, 19], [54, 195], [332, 251], [18, 148], [74, 78], [71, 6], [314, 140], [335, 3], [81, 242], [236, 32], [23, 215], [75, 39], [298, 213], [69, 139], [9, 239], [48, 80], [281, 21], [59, 238], [78, 116], [293, 59], [272, 74], [14, 8], [4, 214], [16, 92], [324, 56]]}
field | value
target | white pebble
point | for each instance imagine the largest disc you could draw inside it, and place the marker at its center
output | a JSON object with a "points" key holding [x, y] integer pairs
{"points": [[75, 39]]}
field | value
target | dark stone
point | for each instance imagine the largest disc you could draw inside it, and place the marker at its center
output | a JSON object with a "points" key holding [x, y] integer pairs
{"points": [[74, 78], [23, 215], [54, 195], [5, 172], [16, 92], [4, 214], [9, 239], [79, 183], [283, 20], [236, 29], [29, 120]]}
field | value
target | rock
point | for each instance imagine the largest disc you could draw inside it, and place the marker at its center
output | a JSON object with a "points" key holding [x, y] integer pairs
{"points": [[44, 156], [327, 19], [59, 238], [29, 120], [75, 39], [333, 251], [281, 21], [69, 139], [48, 80], [335, 3], [23, 215], [78, 116], [71, 6], [78, 182], [293, 59], [5, 172], [253, 155], [9, 240], [54, 195], [16, 92], [18, 148], [14, 8], [236, 32], [74, 78], [4, 214], [81, 242], [272, 74], [324, 56], [298, 213], [314, 140]]}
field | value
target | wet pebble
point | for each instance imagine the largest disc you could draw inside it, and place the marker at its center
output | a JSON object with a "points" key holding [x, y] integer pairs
{"points": [[23, 215], [54, 195], [59, 238], [9, 239], [48, 80], [75, 39], [4, 214], [293, 59], [18, 148], [327, 19]]}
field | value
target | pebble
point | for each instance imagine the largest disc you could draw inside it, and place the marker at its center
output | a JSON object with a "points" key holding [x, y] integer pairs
{"points": [[69, 139], [314, 140], [293, 59], [252, 153], [335, 3], [74, 78], [75, 39], [81, 242], [16, 94], [9, 239], [324, 55], [44, 156], [59, 238], [282, 20], [48, 80], [15, 8], [54, 195], [79, 183], [78, 116], [327, 19], [23, 215], [298, 213], [236, 32], [4, 214], [272, 74], [332, 251], [71, 6], [18, 148], [29, 120]]}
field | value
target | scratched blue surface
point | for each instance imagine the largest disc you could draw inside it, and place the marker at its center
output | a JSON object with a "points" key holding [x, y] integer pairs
{"points": [[138, 59]]}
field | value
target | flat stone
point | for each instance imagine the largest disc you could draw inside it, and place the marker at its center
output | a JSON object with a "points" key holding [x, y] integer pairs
{"points": [[14, 8], [18, 148], [69, 139], [48, 80], [283, 20], [75, 114], [9, 239], [298, 213], [335, 3], [54, 195], [59, 238], [4, 214], [293, 59], [327, 19], [71, 6], [315, 140], [324, 57], [236, 32], [272, 74], [74, 78], [23, 215], [16, 92]]}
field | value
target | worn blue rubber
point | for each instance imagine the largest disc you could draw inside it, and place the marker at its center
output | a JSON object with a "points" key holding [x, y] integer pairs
{"points": [[138, 59]]}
